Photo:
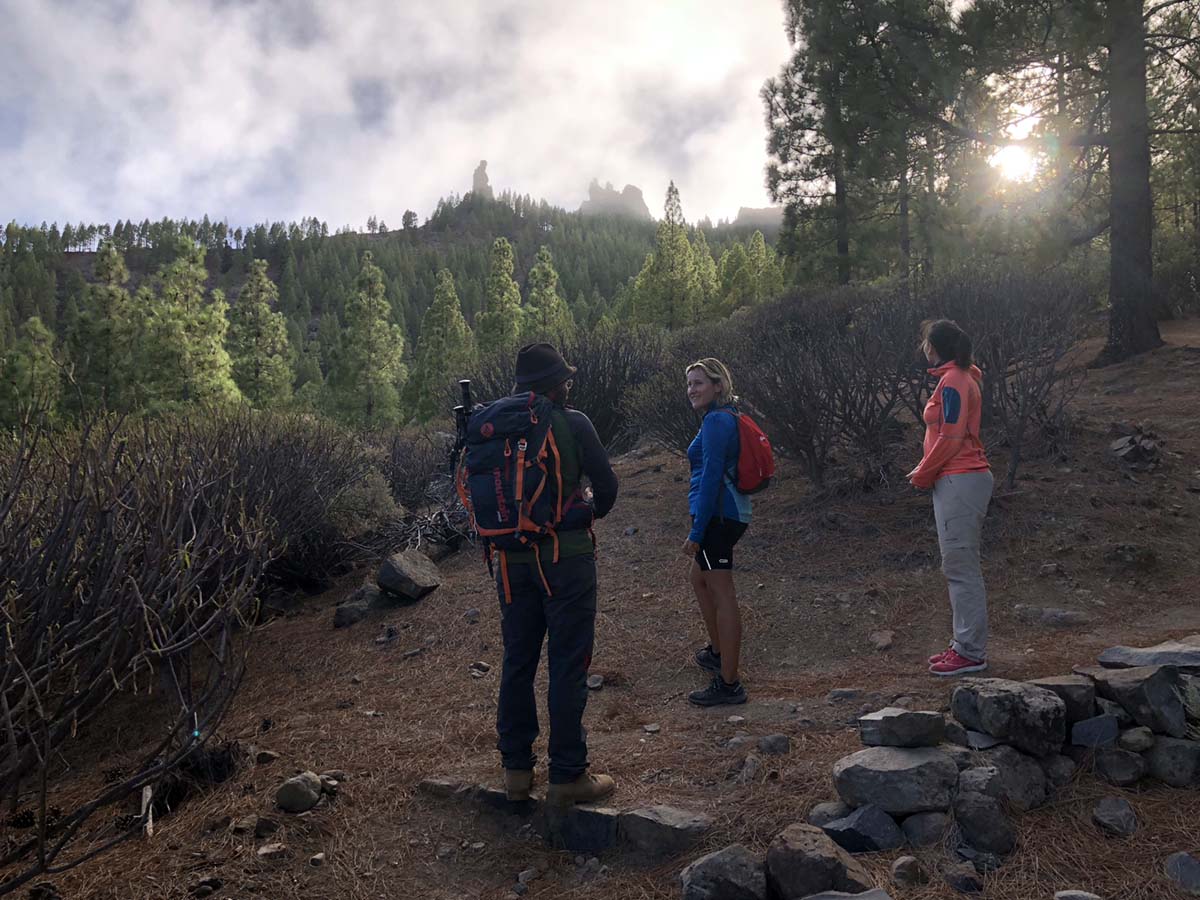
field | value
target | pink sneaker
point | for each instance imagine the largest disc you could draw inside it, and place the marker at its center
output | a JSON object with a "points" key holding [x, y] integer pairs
{"points": [[937, 658], [954, 663]]}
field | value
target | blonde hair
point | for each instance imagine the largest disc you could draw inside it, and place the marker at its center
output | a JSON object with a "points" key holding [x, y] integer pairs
{"points": [[716, 371]]}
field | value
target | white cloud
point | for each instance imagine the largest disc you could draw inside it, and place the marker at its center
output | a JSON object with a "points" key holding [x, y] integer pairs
{"points": [[275, 109]]}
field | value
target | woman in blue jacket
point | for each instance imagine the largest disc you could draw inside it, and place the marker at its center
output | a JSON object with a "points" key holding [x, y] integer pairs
{"points": [[720, 516]]}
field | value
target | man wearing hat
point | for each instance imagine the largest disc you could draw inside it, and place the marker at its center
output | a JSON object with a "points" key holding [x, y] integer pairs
{"points": [[566, 612]]}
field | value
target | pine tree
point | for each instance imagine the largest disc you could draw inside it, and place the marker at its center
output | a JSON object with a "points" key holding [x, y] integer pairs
{"points": [[444, 349], [499, 325], [369, 371], [667, 291], [258, 342], [767, 277], [736, 280], [31, 376], [706, 274], [101, 338], [545, 315]]}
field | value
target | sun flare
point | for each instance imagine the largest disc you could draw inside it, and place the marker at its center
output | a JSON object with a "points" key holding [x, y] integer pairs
{"points": [[1015, 163]]}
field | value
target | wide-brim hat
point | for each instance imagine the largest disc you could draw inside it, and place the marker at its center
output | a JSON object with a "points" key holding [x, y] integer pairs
{"points": [[541, 367]]}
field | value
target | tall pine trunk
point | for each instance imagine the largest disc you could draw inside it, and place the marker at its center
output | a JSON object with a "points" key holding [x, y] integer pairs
{"points": [[841, 213], [905, 239], [1132, 327]]}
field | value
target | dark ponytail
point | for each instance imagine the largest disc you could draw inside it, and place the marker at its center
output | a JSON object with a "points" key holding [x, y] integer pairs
{"points": [[948, 341]]}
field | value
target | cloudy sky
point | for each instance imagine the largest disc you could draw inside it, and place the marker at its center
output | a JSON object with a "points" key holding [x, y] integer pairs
{"points": [[256, 110]]}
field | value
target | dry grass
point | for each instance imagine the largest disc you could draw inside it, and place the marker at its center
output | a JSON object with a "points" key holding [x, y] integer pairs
{"points": [[816, 580]]}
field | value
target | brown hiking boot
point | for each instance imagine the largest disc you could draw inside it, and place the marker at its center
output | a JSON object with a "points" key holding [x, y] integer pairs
{"points": [[518, 783], [586, 788]]}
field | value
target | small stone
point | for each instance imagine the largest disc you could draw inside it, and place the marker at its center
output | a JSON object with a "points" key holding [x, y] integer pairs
{"points": [[1098, 731], [272, 851], [356, 679], [445, 851], [299, 794], [480, 666], [317, 860], [907, 872], [925, 829], [527, 876], [329, 785], [774, 744], [266, 757], [1075, 895], [1136, 740], [652, 728], [824, 813], [1184, 870], [1120, 767], [243, 825], [631, 531], [595, 682], [265, 827], [882, 640], [520, 889], [964, 878], [348, 614], [410, 575], [1115, 816], [478, 845], [749, 771], [736, 720], [472, 616]]}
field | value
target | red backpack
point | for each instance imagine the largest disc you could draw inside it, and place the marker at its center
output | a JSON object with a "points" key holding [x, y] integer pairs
{"points": [[756, 462]]}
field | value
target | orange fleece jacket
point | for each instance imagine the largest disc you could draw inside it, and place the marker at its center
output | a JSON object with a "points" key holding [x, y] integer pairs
{"points": [[952, 445]]}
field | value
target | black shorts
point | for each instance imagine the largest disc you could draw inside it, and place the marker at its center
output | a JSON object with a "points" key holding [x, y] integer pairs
{"points": [[716, 548]]}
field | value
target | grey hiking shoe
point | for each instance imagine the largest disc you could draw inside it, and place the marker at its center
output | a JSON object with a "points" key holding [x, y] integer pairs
{"points": [[707, 660], [719, 693]]}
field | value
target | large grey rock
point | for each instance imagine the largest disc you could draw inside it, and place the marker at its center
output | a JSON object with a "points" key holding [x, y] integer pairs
{"points": [[1174, 761], [1184, 870], [774, 744], [1115, 816], [1119, 767], [1098, 731], [1136, 740], [1077, 693], [925, 829], [1029, 717], [661, 830], [907, 872], [900, 781], [824, 813], [1022, 779], [866, 830], [409, 574], [579, 829], [803, 860], [1182, 654], [982, 780], [983, 823], [733, 873], [896, 727], [1152, 695], [300, 793], [1059, 771]]}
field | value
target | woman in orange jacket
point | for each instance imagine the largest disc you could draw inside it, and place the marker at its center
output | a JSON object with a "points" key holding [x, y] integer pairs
{"points": [[956, 469]]}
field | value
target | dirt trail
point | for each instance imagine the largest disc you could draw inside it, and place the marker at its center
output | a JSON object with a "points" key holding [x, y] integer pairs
{"points": [[815, 581]]}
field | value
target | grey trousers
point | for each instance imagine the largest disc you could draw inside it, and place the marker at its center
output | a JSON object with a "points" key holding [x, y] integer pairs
{"points": [[959, 504]]}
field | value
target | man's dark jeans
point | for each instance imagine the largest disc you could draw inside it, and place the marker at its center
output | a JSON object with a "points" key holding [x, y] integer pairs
{"points": [[569, 615]]}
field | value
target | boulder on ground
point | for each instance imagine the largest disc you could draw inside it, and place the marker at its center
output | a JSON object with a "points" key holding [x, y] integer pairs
{"points": [[963, 877], [350, 613], [866, 830], [410, 575], [661, 830], [824, 813], [1031, 718], [907, 871], [983, 823], [1115, 816], [925, 829], [1136, 740], [803, 860], [733, 873], [1174, 761], [1059, 771], [1152, 695], [1077, 693], [1098, 731], [896, 727], [1023, 781], [1182, 654], [299, 794], [900, 781], [1119, 767]]}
